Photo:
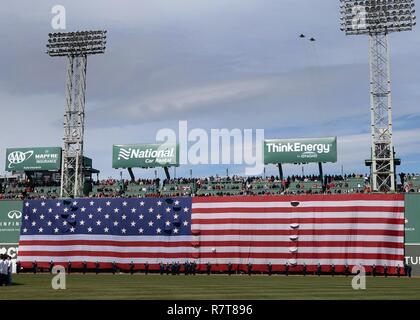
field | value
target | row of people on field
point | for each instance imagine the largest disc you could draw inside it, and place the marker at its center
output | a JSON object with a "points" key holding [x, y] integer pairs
{"points": [[5, 270]]}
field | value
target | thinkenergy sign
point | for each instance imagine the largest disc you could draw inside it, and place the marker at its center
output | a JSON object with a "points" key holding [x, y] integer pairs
{"points": [[30, 159], [145, 155], [300, 150]]}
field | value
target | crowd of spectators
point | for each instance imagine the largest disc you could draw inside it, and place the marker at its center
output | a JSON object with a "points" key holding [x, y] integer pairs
{"points": [[210, 186]]}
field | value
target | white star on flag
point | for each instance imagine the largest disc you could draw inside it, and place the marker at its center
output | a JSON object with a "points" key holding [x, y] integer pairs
{"points": [[33, 223], [176, 202], [72, 229], [175, 230], [82, 222], [73, 216], [25, 230], [151, 210], [40, 230], [141, 217], [133, 210], [185, 223], [107, 216], [115, 223], [186, 209], [26, 204], [158, 230], [98, 223], [123, 216], [83, 209], [89, 229], [141, 230], [41, 217], [91, 203], [55, 230], [168, 223], [108, 203], [150, 223], [66, 209], [64, 223], [116, 210], [90, 216], [124, 203], [58, 204], [42, 204], [106, 229], [49, 223], [99, 209], [158, 216], [49, 210], [75, 203], [123, 230], [142, 203], [34, 210], [56, 217], [26, 217], [168, 209], [175, 216], [159, 203], [133, 223]]}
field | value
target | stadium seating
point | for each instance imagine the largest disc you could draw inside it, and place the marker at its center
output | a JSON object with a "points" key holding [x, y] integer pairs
{"points": [[412, 183], [140, 189], [212, 186], [175, 188], [220, 186], [108, 188]]}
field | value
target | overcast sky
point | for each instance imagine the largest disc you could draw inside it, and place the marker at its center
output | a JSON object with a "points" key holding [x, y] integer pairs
{"points": [[216, 63]]}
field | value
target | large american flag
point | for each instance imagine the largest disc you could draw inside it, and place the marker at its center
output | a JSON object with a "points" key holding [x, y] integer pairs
{"points": [[308, 230]]}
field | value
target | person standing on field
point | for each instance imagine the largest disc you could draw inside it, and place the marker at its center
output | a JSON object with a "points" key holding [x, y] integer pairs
{"points": [[3, 271], [9, 265]]}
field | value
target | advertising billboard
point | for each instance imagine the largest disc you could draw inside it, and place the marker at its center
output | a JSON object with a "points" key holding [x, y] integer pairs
{"points": [[145, 155], [10, 221], [300, 150], [33, 159]]}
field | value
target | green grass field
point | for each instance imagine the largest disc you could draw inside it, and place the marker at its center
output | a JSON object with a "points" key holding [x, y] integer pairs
{"points": [[154, 287]]}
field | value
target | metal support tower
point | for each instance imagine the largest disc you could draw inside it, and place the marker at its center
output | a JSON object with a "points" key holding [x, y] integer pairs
{"points": [[76, 46], [378, 18], [74, 118], [382, 156]]}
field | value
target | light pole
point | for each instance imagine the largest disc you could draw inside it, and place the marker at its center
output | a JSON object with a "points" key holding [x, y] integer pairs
{"points": [[378, 18], [76, 46]]}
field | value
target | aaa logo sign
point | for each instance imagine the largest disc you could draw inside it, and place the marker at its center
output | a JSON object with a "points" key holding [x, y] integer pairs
{"points": [[28, 159], [16, 157]]}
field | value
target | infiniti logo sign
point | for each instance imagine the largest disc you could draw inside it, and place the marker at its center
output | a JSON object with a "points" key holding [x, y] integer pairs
{"points": [[14, 214]]}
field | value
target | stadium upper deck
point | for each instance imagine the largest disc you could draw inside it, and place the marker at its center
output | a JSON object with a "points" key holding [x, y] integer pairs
{"points": [[210, 186]]}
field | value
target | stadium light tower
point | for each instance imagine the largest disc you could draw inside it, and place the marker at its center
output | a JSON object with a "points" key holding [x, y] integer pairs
{"points": [[76, 46], [378, 18]]}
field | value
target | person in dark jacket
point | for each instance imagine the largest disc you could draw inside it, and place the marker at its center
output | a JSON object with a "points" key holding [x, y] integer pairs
{"points": [[146, 268], [249, 269], [269, 268], [229, 267], [208, 268], [319, 269]]}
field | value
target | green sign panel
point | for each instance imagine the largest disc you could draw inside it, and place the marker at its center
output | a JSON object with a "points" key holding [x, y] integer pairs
{"points": [[412, 258], [412, 218], [145, 155], [33, 159], [87, 163], [300, 150], [10, 221]]}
